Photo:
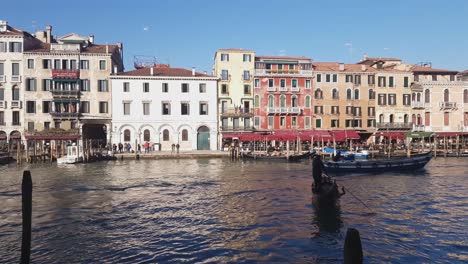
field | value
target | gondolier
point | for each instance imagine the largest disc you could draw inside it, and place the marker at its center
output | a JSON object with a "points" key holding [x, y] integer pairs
{"points": [[317, 169]]}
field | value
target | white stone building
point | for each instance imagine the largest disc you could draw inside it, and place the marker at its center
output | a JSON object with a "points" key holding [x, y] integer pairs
{"points": [[165, 106]]}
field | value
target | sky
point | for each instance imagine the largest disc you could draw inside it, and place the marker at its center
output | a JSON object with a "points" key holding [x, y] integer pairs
{"points": [[187, 33]]}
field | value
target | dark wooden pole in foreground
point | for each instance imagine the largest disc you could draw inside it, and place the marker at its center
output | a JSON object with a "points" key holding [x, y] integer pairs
{"points": [[26, 193], [352, 247]]}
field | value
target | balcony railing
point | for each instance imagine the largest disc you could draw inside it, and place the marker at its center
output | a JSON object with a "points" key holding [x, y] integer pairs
{"points": [[3, 104], [16, 78], [284, 110], [295, 89], [2, 78], [270, 72], [16, 104], [448, 105], [415, 104], [271, 89], [395, 125], [233, 112], [66, 93], [64, 114], [419, 128], [66, 74], [283, 89], [237, 128]]}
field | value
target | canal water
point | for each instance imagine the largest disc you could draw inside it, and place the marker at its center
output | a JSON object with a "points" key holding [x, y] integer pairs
{"points": [[217, 211]]}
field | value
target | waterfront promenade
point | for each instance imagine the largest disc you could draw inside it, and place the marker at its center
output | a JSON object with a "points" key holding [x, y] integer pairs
{"points": [[173, 155]]}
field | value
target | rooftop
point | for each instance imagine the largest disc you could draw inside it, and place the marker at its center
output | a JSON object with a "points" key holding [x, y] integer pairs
{"points": [[422, 69], [163, 72]]}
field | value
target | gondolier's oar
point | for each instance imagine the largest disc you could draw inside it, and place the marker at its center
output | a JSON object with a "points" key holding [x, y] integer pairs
{"points": [[359, 200]]}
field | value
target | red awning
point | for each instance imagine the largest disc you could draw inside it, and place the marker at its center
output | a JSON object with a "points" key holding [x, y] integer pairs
{"points": [[250, 137], [343, 135], [392, 135], [317, 134], [283, 136], [228, 136], [450, 134]]}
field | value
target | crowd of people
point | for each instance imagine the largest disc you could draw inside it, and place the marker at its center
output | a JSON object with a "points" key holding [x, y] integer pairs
{"points": [[146, 148]]}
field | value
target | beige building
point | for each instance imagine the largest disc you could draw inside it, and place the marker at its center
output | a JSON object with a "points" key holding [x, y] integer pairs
{"points": [[235, 70], [66, 84]]}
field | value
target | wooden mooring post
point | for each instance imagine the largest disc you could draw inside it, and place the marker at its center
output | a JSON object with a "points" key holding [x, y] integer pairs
{"points": [[352, 248], [26, 195]]}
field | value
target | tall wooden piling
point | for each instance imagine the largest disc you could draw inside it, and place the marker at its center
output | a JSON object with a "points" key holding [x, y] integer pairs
{"points": [[26, 194], [352, 247]]}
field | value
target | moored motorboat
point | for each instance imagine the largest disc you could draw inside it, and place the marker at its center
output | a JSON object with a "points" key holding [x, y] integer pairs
{"points": [[378, 165], [73, 156]]}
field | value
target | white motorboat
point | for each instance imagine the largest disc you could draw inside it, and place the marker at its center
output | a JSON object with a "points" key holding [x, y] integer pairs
{"points": [[73, 155]]}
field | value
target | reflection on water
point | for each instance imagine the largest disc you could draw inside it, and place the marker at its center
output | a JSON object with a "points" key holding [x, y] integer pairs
{"points": [[213, 210]]}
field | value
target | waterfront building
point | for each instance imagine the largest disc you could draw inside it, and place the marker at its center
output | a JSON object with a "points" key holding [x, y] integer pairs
{"points": [[234, 69], [283, 93], [344, 96], [165, 106]]}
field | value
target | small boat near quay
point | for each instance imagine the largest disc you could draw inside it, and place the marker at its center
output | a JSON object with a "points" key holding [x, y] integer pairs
{"points": [[364, 154], [329, 193], [291, 158], [73, 156], [378, 165]]}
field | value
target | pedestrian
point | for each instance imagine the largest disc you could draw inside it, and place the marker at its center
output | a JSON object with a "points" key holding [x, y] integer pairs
{"points": [[120, 147], [173, 148], [138, 148], [317, 169], [177, 146]]}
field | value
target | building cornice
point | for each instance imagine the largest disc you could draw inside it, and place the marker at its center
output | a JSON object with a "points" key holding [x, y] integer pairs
{"points": [[155, 78]]}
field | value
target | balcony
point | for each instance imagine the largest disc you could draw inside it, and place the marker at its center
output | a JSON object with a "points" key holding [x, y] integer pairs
{"points": [[237, 128], [2, 78], [16, 78], [283, 89], [284, 110], [295, 89], [395, 125], [448, 105], [271, 89], [65, 93], [419, 128], [417, 105], [284, 72], [65, 115], [16, 104], [65, 74], [233, 112], [3, 104]]}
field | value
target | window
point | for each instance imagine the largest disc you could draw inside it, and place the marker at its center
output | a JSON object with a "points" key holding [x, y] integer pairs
{"points": [[307, 122], [349, 78], [271, 101], [166, 108], [357, 111], [3, 47], [371, 111], [73, 65], [84, 108], [165, 87], [335, 94], [184, 135], [434, 77], [282, 83], [46, 106], [271, 122], [406, 81], [46, 125], [224, 75], [256, 101], [103, 109], [335, 110], [446, 95], [16, 46], [371, 123], [406, 99], [15, 93], [146, 135], [2, 69], [246, 76], [224, 57], [246, 89], [294, 101], [318, 109], [102, 65], [307, 101], [257, 121], [357, 79], [146, 108], [446, 119], [246, 58], [84, 64], [146, 87], [224, 89], [2, 93], [390, 81], [371, 79], [371, 94], [203, 108], [165, 135], [202, 87], [294, 121], [427, 118], [318, 123], [57, 64], [318, 94], [102, 86], [85, 87], [307, 84], [16, 118], [294, 83], [126, 87], [256, 83], [349, 94], [30, 84], [335, 78], [282, 122], [327, 78], [335, 123], [381, 82], [465, 96], [30, 126], [356, 94], [30, 107], [282, 101], [185, 87], [127, 135], [30, 63], [465, 119], [382, 99], [271, 82], [65, 64], [57, 124], [268, 66], [15, 71], [349, 110], [291, 66], [319, 77], [184, 108]]}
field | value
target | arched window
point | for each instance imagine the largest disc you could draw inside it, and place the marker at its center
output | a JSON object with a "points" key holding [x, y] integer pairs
{"points": [[413, 97], [15, 93], [391, 118], [413, 119], [282, 101], [127, 135], [418, 97], [381, 118], [419, 119], [318, 94], [348, 94], [371, 94], [356, 94], [405, 118], [271, 101], [294, 101], [185, 135], [165, 135], [335, 94], [465, 96], [427, 96], [257, 101], [307, 101], [146, 135], [446, 95]]}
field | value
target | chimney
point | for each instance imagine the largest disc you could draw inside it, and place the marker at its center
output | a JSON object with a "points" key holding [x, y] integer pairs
{"points": [[91, 39], [48, 33], [107, 48], [365, 56], [193, 71], [3, 26], [115, 69], [152, 71], [341, 67], [363, 67]]}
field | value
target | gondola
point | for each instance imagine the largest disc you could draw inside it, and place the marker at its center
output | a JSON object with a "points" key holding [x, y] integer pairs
{"points": [[329, 192], [290, 158], [378, 165]]}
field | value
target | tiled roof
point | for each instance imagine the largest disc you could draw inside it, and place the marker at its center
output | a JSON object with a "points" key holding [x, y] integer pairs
{"points": [[335, 66], [169, 72], [235, 49], [465, 72], [95, 48], [281, 58], [417, 68], [12, 32]]}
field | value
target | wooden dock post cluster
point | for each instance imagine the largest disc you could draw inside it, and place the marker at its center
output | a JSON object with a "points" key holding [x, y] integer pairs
{"points": [[352, 247]]}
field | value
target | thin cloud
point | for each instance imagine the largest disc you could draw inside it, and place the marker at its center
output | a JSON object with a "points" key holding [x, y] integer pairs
{"points": [[146, 28]]}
